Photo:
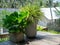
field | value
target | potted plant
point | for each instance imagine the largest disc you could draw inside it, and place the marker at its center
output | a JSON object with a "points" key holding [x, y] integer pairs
{"points": [[16, 24], [34, 15]]}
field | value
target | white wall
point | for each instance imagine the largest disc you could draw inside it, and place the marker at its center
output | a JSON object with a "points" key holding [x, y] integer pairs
{"points": [[1, 30]]}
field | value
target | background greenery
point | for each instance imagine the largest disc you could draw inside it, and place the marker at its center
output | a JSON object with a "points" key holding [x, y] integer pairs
{"points": [[40, 28], [19, 3], [2, 15], [4, 39]]}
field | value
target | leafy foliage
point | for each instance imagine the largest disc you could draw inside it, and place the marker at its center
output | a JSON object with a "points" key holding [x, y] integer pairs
{"points": [[39, 28], [34, 12], [16, 22], [3, 13]]}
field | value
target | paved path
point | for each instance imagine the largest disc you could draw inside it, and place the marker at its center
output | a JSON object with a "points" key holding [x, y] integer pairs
{"points": [[42, 38]]}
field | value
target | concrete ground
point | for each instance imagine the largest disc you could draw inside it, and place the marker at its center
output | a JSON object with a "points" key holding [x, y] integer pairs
{"points": [[42, 38]]}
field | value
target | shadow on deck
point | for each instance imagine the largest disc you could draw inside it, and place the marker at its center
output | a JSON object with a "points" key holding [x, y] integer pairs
{"points": [[24, 42]]}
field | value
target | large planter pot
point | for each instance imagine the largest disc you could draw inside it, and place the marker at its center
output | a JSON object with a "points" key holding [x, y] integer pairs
{"points": [[16, 37], [31, 30]]}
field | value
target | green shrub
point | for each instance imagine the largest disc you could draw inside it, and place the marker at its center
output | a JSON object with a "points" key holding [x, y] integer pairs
{"points": [[16, 21], [3, 13], [39, 28], [4, 39]]}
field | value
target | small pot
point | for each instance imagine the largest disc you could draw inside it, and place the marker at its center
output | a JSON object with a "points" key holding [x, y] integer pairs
{"points": [[16, 37]]}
